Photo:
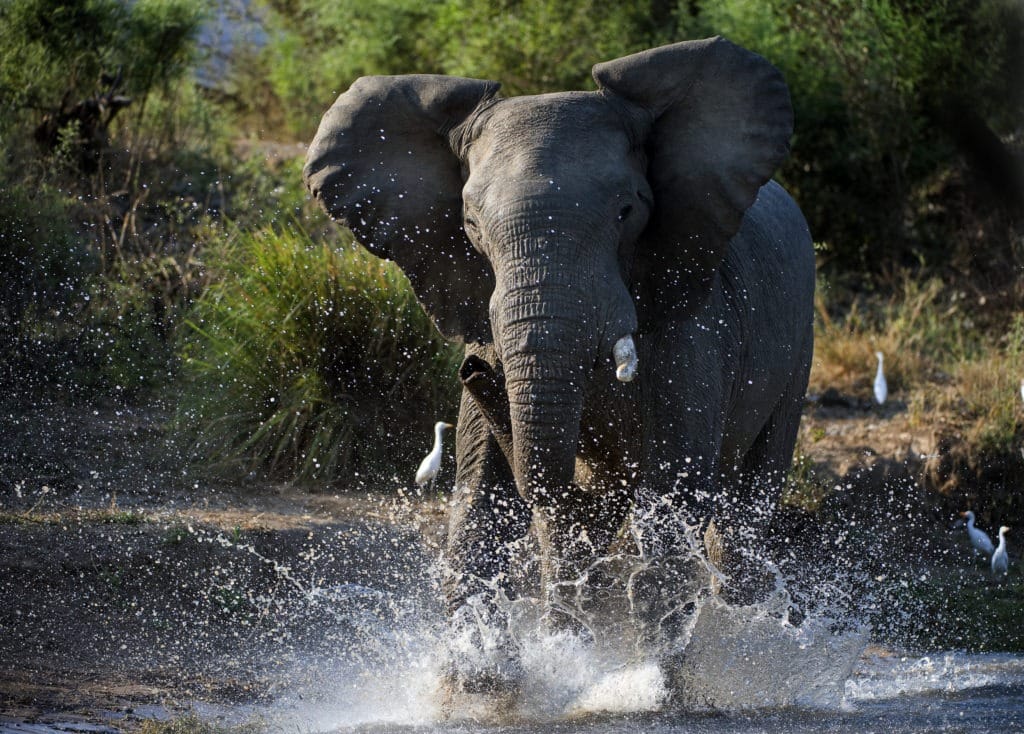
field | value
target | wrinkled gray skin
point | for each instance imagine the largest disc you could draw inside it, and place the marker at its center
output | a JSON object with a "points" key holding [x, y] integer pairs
{"points": [[539, 230]]}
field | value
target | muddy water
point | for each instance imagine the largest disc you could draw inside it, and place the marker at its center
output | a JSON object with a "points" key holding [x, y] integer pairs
{"points": [[743, 670], [339, 629]]}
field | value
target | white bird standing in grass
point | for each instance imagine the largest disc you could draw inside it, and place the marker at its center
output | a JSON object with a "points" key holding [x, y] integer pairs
{"points": [[1022, 388], [432, 462], [1000, 561], [881, 386], [979, 538]]}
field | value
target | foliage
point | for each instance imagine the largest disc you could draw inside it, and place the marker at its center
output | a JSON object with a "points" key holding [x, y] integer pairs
{"points": [[42, 264], [544, 46], [49, 49], [880, 90], [887, 94], [534, 46], [106, 230], [307, 362], [342, 41]]}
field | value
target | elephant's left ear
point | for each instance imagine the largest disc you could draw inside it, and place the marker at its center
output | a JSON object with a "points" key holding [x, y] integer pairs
{"points": [[722, 121], [382, 164]]}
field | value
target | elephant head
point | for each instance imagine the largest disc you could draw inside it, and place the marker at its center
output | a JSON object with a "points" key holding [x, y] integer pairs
{"points": [[556, 226]]}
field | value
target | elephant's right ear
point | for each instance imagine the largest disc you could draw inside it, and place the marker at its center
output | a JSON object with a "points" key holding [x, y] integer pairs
{"points": [[721, 124], [381, 163]]}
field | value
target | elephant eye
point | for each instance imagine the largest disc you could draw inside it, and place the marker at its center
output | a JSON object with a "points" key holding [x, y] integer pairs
{"points": [[625, 212]]}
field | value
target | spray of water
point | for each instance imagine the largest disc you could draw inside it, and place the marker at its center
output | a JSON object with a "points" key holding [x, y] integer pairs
{"points": [[692, 650]]}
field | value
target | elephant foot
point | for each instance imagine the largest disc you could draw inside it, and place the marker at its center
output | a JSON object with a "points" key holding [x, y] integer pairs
{"points": [[481, 695], [484, 653], [497, 682], [562, 618]]}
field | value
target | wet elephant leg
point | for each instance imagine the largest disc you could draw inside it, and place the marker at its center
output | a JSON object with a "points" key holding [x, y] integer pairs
{"points": [[677, 502], [573, 534], [762, 478], [487, 514]]}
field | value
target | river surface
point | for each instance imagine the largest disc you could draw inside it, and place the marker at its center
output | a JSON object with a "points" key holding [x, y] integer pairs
{"points": [[342, 627], [946, 692]]}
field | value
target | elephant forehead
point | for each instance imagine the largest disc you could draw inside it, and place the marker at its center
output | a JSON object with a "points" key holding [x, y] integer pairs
{"points": [[566, 123]]}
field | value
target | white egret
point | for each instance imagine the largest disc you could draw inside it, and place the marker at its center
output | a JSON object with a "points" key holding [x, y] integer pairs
{"points": [[881, 386], [1000, 561], [979, 538], [431, 463], [1022, 388]]}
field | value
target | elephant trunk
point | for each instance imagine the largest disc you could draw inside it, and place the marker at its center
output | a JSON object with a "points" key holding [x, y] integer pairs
{"points": [[545, 358], [560, 309]]}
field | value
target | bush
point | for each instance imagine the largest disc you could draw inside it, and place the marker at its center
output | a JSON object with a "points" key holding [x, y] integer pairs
{"points": [[530, 47], [53, 53], [308, 362], [887, 95], [342, 41], [42, 265]]}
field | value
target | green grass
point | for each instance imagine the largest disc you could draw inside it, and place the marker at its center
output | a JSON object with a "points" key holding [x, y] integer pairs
{"points": [[972, 610], [311, 361]]}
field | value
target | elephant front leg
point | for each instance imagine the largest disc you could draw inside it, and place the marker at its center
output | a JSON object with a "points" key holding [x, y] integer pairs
{"points": [[488, 515], [676, 528], [487, 518]]}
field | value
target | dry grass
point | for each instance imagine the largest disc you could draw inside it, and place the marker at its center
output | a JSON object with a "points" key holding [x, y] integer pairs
{"points": [[922, 330], [195, 725], [937, 360], [983, 397]]}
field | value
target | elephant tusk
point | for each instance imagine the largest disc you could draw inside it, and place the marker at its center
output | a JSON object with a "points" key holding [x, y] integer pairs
{"points": [[626, 361]]}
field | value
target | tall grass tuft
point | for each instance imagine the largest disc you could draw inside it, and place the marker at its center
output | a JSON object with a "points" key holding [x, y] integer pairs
{"points": [[984, 396], [923, 330], [309, 362]]}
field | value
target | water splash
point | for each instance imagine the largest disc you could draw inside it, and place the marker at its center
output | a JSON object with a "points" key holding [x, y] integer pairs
{"points": [[750, 657], [726, 658]]}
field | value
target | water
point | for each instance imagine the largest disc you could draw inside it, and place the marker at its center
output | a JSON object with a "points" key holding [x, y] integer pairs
{"points": [[739, 669], [568, 692], [344, 633]]}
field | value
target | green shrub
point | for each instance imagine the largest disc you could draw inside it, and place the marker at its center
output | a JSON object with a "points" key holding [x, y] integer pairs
{"points": [[44, 275], [309, 362], [882, 92], [41, 262], [50, 49], [531, 47]]}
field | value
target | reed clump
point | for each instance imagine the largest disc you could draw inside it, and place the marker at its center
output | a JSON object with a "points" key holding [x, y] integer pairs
{"points": [[308, 360]]}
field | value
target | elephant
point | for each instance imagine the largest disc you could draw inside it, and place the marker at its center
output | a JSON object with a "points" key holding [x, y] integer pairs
{"points": [[634, 292]]}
